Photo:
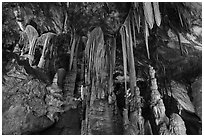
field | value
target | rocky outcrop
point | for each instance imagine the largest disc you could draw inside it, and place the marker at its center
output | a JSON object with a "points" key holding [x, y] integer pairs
{"points": [[24, 108], [68, 122], [180, 94], [185, 106], [176, 125], [21, 119]]}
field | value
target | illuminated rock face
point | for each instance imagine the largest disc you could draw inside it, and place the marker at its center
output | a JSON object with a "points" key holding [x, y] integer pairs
{"points": [[197, 96], [177, 126], [180, 93]]}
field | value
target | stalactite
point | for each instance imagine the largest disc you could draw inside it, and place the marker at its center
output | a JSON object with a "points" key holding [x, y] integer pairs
{"points": [[133, 101], [98, 113], [46, 38], [32, 37]]}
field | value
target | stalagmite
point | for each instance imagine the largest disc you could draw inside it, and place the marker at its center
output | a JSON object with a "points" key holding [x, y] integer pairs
{"points": [[176, 124], [157, 104]]}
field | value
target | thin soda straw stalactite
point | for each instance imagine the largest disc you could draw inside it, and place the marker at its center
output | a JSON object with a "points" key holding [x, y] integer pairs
{"points": [[146, 39], [72, 50]]}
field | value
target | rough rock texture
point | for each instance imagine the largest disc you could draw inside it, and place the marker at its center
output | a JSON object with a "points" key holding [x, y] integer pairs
{"points": [[24, 109], [177, 126], [54, 100], [69, 122], [180, 93], [181, 67], [21, 120], [197, 96], [61, 100], [186, 108], [163, 130]]}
